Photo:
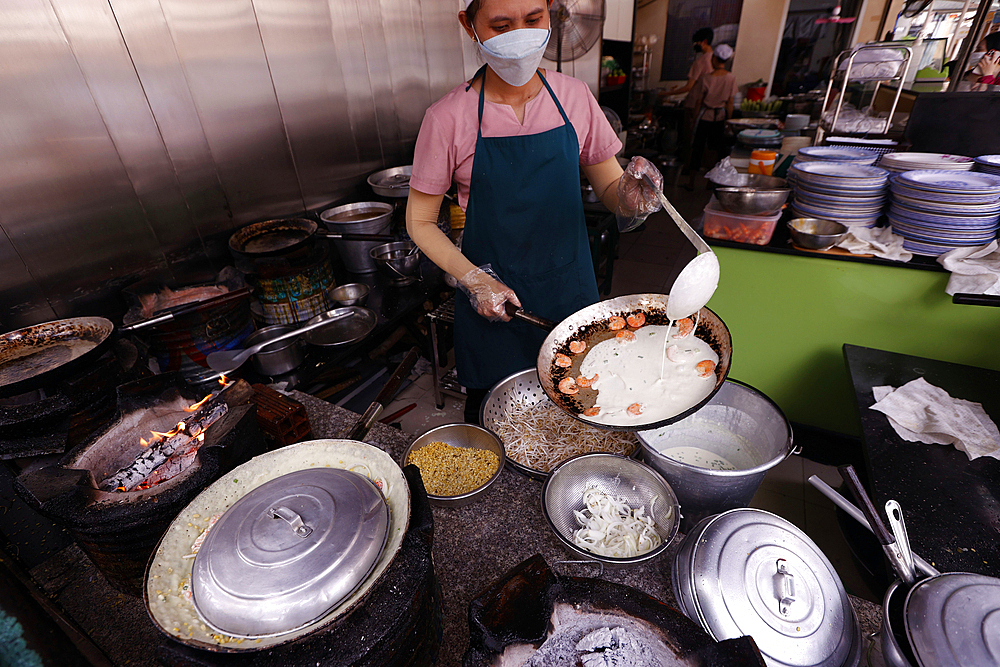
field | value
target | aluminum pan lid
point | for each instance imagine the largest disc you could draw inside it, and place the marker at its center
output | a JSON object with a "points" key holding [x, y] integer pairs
{"points": [[288, 552], [754, 573], [954, 619]]}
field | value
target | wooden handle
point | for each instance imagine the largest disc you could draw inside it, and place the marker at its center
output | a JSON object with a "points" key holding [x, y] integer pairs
{"points": [[364, 423], [874, 520], [530, 318]]}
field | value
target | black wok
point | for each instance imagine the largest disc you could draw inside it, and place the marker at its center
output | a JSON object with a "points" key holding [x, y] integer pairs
{"points": [[38, 355], [278, 237], [590, 325]]}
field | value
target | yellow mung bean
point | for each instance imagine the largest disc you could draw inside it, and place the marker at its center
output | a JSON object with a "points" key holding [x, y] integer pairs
{"points": [[452, 471]]}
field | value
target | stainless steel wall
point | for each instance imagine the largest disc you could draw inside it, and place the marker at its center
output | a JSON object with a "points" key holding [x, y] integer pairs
{"points": [[134, 134]]}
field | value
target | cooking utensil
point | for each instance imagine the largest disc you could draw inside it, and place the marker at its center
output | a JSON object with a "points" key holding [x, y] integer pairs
{"points": [[278, 237], [883, 535], [816, 233], [278, 358], [398, 261], [856, 514], [228, 360], [691, 235], [749, 572], [590, 325], [289, 551], [358, 218], [761, 181], [895, 514], [360, 323], [460, 435], [188, 308], [394, 182], [351, 294], [518, 388], [618, 476], [751, 200], [385, 396], [34, 356]]}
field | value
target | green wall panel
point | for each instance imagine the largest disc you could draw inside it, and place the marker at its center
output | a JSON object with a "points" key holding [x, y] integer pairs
{"points": [[791, 315]]}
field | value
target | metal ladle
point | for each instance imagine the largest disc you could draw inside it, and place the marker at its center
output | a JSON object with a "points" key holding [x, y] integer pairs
{"points": [[229, 360], [701, 270]]}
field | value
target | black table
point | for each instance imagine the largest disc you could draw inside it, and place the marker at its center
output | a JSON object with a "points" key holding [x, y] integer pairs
{"points": [[951, 504]]}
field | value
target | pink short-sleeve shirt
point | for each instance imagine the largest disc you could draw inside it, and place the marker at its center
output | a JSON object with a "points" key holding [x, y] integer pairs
{"points": [[447, 140]]}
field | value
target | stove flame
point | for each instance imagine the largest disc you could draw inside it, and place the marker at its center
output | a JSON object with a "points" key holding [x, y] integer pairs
{"points": [[194, 406], [144, 442]]}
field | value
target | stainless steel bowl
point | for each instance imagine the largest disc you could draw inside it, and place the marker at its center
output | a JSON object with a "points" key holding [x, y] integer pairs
{"points": [[396, 262], [282, 357], [816, 233], [351, 294], [751, 200], [461, 435], [759, 181], [617, 475], [394, 182]]}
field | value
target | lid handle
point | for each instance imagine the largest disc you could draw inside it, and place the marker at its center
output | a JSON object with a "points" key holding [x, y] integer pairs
{"points": [[292, 519], [786, 588]]}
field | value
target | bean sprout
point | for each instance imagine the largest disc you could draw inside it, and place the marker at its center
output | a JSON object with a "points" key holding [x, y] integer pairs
{"points": [[610, 527], [541, 436]]}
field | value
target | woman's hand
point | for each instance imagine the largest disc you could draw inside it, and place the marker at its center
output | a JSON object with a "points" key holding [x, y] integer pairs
{"points": [[487, 294], [636, 199], [988, 65]]}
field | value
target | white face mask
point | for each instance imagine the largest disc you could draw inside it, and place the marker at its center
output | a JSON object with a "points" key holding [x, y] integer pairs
{"points": [[975, 57], [515, 55]]}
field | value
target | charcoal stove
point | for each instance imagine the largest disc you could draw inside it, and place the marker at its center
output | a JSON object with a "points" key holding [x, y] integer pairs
{"points": [[61, 414], [111, 493]]}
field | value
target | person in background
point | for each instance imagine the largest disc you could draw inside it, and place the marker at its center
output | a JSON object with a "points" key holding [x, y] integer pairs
{"points": [[514, 139], [714, 94], [702, 64], [987, 70]]}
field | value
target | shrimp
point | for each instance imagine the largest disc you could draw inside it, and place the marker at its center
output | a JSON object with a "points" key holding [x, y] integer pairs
{"points": [[563, 361], [584, 381], [616, 323], [684, 328], [625, 336], [635, 409], [577, 346], [592, 412], [705, 368], [636, 320], [675, 354], [568, 386]]}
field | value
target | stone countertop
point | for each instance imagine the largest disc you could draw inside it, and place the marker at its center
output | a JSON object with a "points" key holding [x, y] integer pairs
{"points": [[476, 544]]}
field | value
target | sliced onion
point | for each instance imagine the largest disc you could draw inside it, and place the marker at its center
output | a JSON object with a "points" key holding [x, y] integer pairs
{"points": [[610, 527]]}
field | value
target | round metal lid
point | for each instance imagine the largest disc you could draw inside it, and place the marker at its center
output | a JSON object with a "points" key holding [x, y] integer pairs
{"points": [[288, 552], [754, 573], [954, 619]]}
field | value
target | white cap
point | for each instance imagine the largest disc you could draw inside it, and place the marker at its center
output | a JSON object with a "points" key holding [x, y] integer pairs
{"points": [[466, 3], [723, 52]]}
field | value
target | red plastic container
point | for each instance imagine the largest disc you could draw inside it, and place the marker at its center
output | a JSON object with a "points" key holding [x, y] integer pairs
{"points": [[725, 226], [755, 93]]}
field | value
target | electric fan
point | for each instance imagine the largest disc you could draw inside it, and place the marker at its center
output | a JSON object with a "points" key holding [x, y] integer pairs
{"points": [[576, 27]]}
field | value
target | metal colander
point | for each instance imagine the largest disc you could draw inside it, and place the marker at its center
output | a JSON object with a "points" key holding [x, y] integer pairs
{"points": [[520, 388], [615, 475]]}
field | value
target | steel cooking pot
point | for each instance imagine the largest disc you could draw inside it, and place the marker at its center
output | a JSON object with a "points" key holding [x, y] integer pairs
{"points": [[750, 572], [277, 237]]}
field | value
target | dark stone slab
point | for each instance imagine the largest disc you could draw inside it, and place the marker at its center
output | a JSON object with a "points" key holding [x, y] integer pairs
{"points": [[951, 504]]}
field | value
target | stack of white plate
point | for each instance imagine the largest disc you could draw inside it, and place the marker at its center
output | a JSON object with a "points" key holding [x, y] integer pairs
{"points": [[897, 163], [988, 164], [938, 210], [852, 194], [834, 154]]}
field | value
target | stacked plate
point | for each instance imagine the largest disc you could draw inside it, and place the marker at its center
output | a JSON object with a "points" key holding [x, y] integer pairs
{"points": [[849, 193], [897, 163], [938, 210], [988, 164], [835, 154]]}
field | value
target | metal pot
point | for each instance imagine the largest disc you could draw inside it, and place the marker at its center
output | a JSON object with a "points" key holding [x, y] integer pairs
{"points": [[279, 237], [749, 572], [741, 426], [359, 218], [394, 182], [279, 358]]}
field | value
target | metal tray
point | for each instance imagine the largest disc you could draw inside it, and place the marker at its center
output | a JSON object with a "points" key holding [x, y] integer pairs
{"points": [[342, 332]]}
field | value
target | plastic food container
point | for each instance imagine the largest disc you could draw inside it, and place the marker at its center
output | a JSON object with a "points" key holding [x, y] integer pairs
{"points": [[762, 162], [755, 229]]}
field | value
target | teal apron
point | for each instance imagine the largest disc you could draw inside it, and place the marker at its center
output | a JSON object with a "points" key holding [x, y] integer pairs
{"points": [[525, 218]]}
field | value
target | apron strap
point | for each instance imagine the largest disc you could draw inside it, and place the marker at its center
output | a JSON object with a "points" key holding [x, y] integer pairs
{"points": [[482, 97], [554, 99]]}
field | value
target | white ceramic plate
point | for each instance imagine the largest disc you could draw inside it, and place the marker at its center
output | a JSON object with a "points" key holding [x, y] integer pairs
{"points": [[959, 182]]}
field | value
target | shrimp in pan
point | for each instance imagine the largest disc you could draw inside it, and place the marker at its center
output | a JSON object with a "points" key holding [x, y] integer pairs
{"points": [[568, 386]]}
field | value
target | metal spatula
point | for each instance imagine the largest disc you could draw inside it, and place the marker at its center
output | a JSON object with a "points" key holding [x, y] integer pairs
{"points": [[229, 360]]}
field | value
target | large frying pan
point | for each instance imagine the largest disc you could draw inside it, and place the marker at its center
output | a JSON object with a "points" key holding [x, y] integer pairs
{"points": [[277, 237], [37, 355], [591, 326]]}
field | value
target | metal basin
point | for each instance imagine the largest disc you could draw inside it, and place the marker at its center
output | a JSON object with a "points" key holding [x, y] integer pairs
{"points": [[739, 425], [751, 200], [816, 233], [351, 294], [396, 262]]}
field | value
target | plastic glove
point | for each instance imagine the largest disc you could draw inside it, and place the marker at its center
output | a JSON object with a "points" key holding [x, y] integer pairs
{"points": [[487, 293], [636, 200]]}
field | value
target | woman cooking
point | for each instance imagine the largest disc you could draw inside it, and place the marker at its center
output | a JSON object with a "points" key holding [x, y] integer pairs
{"points": [[513, 139]]}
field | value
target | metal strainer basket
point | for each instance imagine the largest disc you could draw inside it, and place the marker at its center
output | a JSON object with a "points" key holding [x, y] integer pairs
{"points": [[615, 475], [520, 388]]}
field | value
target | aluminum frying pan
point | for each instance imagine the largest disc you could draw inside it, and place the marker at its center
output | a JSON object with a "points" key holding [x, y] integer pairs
{"points": [[277, 237], [39, 354], [590, 325]]}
